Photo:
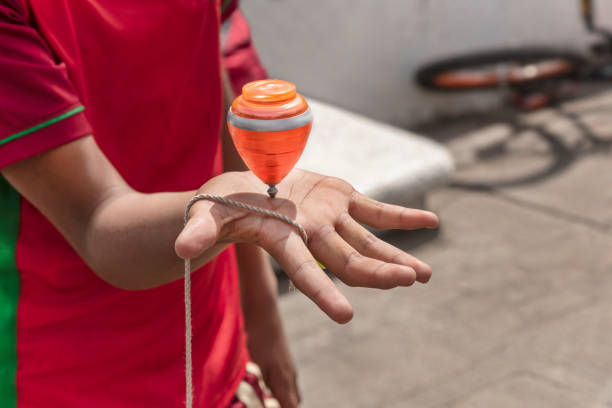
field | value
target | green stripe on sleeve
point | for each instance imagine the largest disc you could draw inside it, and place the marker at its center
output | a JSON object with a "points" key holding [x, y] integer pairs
{"points": [[9, 293], [46, 123]]}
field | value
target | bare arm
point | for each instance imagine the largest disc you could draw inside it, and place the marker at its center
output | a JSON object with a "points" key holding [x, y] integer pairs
{"points": [[126, 237]]}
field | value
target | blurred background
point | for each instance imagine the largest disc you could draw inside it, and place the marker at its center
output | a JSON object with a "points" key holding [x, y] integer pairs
{"points": [[362, 55], [519, 310]]}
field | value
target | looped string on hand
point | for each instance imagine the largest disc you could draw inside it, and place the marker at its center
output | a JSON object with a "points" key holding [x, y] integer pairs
{"points": [[243, 206]]}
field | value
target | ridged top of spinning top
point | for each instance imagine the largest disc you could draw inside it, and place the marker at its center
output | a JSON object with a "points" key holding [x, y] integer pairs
{"points": [[269, 99], [268, 91]]}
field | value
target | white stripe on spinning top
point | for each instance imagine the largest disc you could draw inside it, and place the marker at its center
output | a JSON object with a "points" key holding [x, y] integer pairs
{"points": [[269, 125]]}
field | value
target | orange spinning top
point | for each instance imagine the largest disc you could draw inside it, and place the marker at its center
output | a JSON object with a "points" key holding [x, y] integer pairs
{"points": [[270, 123]]}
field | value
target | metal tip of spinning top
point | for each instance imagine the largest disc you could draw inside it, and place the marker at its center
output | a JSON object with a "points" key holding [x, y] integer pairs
{"points": [[272, 190]]}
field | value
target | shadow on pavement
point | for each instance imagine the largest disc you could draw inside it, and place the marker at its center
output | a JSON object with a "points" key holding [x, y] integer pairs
{"points": [[530, 149]]}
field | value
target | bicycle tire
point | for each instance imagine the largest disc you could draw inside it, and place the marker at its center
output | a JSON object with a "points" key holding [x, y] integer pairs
{"points": [[473, 72]]}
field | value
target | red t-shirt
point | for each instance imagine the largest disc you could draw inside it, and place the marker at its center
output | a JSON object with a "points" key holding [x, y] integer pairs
{"points": [[144, 79]]}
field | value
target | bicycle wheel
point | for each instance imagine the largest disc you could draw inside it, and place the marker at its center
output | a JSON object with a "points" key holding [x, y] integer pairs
{"points": [[493, 69]]}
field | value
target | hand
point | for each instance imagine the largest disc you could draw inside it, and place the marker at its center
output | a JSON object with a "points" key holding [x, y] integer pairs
{"points": [[330, 210], [269, 349]]}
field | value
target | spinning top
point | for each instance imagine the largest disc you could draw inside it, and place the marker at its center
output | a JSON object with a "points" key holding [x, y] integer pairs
{"points": [[269, 124]]}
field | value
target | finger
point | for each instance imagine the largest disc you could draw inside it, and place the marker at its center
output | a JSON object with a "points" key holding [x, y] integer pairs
{"points": [[353, 268], [284, 389], [369, 245], [200, 232], [298, 393], [295, 259], [388, 216]]}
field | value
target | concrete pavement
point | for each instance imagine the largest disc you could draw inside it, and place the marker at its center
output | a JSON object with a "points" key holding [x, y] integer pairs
{"points": [[519, 311]]}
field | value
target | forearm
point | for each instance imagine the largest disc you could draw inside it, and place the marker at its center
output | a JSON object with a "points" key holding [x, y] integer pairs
{"points": [[126, 237], [130, 239], [154, 221], [258, 285]]}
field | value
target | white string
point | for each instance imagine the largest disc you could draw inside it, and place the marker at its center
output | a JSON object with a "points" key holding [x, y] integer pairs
{"points": [[188, 358], [188, 334]]}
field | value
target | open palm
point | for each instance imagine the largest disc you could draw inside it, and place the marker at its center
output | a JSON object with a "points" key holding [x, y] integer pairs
{"points": [[330, 211]]}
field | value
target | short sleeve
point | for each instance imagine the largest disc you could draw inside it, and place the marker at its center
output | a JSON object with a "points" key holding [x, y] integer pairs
{"points": [[240, 57], [39, 108]]}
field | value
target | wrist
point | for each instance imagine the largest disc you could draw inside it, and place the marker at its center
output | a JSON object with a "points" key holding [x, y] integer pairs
{"points": [[262, 316]]}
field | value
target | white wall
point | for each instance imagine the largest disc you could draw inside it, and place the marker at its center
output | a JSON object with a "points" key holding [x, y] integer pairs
{"points": [[362, 54]]}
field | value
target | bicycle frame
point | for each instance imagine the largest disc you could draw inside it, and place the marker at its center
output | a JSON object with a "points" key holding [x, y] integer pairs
{"points": [[587, 13], [588, 16]]}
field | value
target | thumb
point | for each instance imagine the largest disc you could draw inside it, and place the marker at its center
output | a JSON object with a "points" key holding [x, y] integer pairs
{"points": [[199, 234]]}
